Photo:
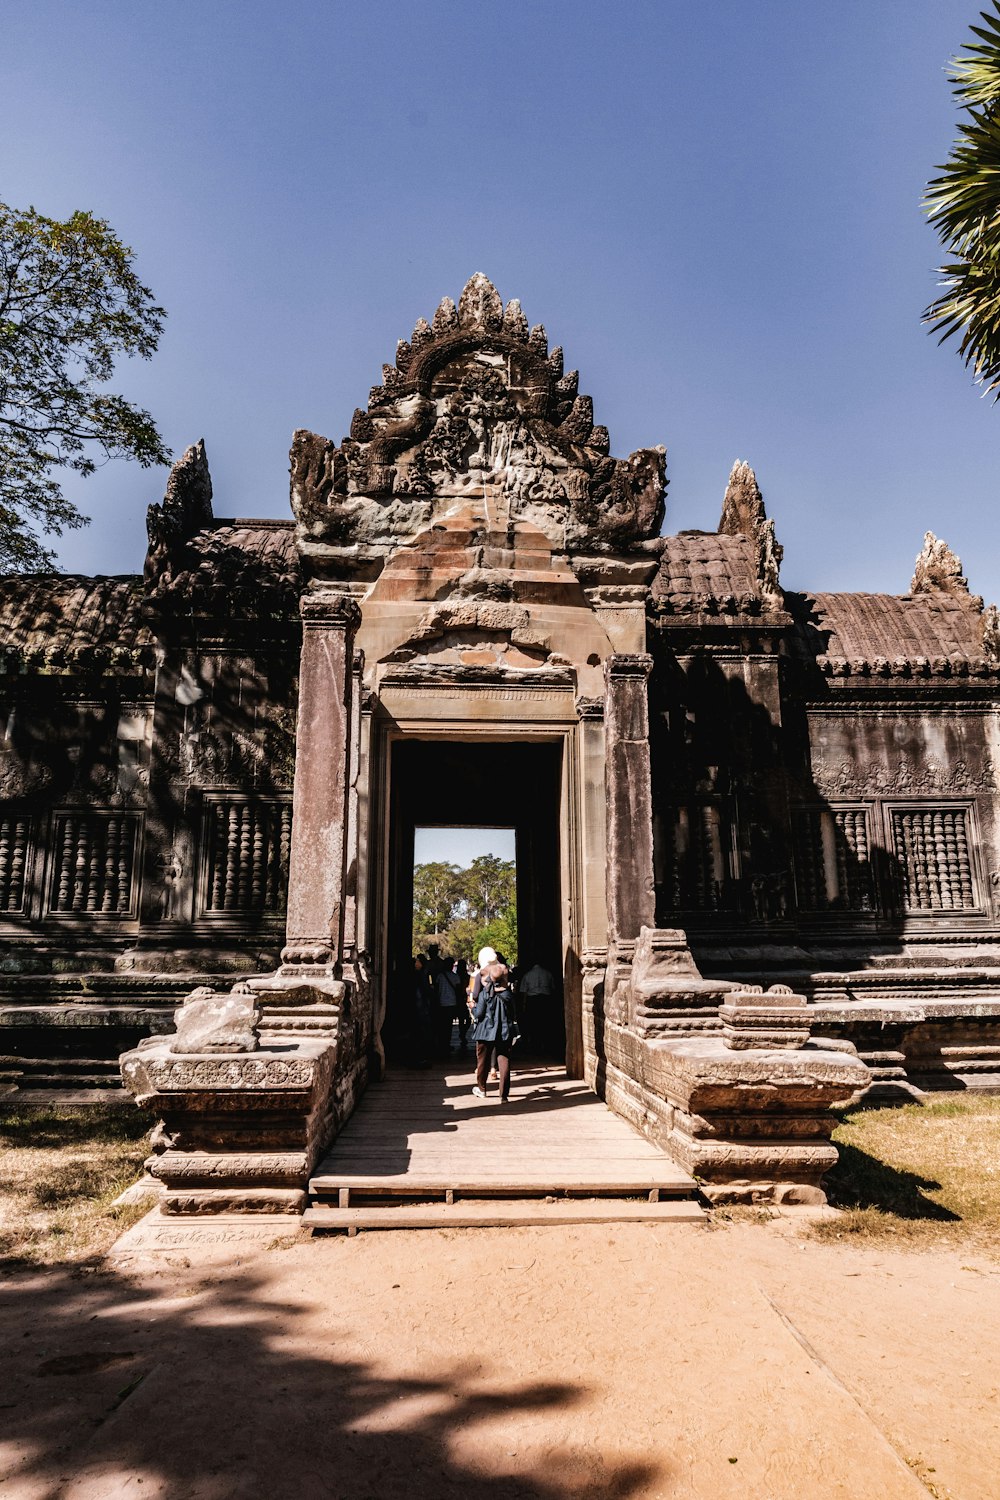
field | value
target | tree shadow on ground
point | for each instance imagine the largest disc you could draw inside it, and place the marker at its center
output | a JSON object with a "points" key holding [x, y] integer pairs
{"points": [[210, 1389], [862, 1181]]}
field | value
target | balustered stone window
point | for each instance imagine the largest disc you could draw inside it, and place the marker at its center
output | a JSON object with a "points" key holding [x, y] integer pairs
{"points": [[16, 848], [931, 846], [93, 864], [691, 859], [833, 859], [246, 846]]}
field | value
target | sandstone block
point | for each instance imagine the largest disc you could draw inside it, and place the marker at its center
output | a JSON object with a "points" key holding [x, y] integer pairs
{"points": [[207, 1022]]}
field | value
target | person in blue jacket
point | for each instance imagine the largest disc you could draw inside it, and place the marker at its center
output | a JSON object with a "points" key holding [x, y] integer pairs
{"points": [[495, 1028]]}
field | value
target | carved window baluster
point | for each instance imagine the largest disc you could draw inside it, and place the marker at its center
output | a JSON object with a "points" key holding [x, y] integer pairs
{"points": [[109, 894], [932, 848], [94, 865], [217, 842], [232, 857], [810, 884], [246, 852], [15, 838], [244, 883]]}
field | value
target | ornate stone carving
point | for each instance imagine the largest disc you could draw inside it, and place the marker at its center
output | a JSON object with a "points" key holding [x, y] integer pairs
{"points": [[329, 607], [475, 403], [208, 1022], [904, 778], [743, 514], [186, 508], [226, 1072], [991, 634], [937, 569]]}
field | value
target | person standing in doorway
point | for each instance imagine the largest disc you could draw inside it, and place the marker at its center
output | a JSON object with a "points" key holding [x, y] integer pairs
{"points": [[446, 989], [495, 1029], [536, 989]]}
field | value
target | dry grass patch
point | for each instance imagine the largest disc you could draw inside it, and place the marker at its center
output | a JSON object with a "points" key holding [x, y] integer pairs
{"points": [[919, 1174], [60, 1171]]}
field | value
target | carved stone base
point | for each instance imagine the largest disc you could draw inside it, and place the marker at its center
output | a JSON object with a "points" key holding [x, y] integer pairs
{"points": [[751, 1126], [242, 1130]]}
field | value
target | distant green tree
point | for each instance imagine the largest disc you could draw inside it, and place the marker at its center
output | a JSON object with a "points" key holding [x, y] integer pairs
{"points": [[465, 910], [963, 204], [70, 304], [489, 886], [436, 895]]}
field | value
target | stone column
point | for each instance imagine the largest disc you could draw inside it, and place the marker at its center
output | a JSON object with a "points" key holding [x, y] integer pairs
{"points": [[631, 898], [322, 782]]}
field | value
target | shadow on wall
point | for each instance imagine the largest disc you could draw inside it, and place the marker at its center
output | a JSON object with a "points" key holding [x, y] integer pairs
{"points": [[221, 1392], [750, 856]]}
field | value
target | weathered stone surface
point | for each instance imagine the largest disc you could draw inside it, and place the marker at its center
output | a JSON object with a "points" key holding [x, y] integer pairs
{"points": [[743, 514], [938, 568], [751, 1126], [317, 869], [752, 785], [208, 1022], [754, 1017]]}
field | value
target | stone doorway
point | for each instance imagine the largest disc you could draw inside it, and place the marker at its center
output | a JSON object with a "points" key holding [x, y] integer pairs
{"points": [[475, 782]]}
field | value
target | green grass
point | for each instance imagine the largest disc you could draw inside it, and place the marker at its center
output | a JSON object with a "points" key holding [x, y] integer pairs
{"points": [[919, 1174], [60, 1171]]}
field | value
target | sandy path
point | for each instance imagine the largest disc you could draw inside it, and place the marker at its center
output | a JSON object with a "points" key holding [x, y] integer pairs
{"points": [[544, 1363]]}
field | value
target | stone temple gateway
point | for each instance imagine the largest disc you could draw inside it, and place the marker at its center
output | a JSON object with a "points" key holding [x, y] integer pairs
{"points": [[757, 829]]}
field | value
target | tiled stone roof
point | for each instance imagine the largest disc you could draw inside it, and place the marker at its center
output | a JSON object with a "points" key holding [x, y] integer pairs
{"points": [[42, 614], [705, 564], [869, 627], [245, 567], [268, 547]]}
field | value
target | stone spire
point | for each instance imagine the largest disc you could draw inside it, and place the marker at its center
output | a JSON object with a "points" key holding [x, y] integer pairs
{"points": [[743, 514], [991, 633], [186, 508], [937, 569]]}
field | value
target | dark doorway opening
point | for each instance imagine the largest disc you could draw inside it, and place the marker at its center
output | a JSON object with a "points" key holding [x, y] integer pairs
{"points": [[451, 783]]}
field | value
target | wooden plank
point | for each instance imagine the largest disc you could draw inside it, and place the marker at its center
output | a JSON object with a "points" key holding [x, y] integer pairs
{"points": [[493, 1215], [428, 1136], [408, 1186]]}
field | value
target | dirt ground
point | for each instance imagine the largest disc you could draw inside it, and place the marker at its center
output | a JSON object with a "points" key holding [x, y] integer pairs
{"points": [[747, 1359]]}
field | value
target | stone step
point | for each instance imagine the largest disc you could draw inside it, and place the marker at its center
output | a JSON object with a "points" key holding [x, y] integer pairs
{"points": [[60, 1098], [945, 1082], [499, 1213], [70, 1068]]}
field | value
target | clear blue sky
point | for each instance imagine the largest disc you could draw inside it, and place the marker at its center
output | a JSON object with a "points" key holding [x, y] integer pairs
{"points": [[460, 846], [714, 206]]}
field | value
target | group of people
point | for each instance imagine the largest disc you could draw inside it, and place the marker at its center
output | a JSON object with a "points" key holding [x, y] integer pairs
{"points": [[480, 997]]}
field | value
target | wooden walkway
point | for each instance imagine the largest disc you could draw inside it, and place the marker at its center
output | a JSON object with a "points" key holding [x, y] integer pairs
{"points": [[421, 1149]]}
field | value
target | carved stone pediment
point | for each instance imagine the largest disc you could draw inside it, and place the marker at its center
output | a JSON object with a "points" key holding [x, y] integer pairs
{"points": [[475, 404]]}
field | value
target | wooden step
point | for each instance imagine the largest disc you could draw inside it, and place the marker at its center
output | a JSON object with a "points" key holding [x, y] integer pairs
{"points": [[522, 1183], [501, 1214]]}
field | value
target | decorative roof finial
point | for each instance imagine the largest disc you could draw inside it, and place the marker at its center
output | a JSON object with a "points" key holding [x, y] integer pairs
{"points": [[743, 514], [938, 569], [186, 508]]}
